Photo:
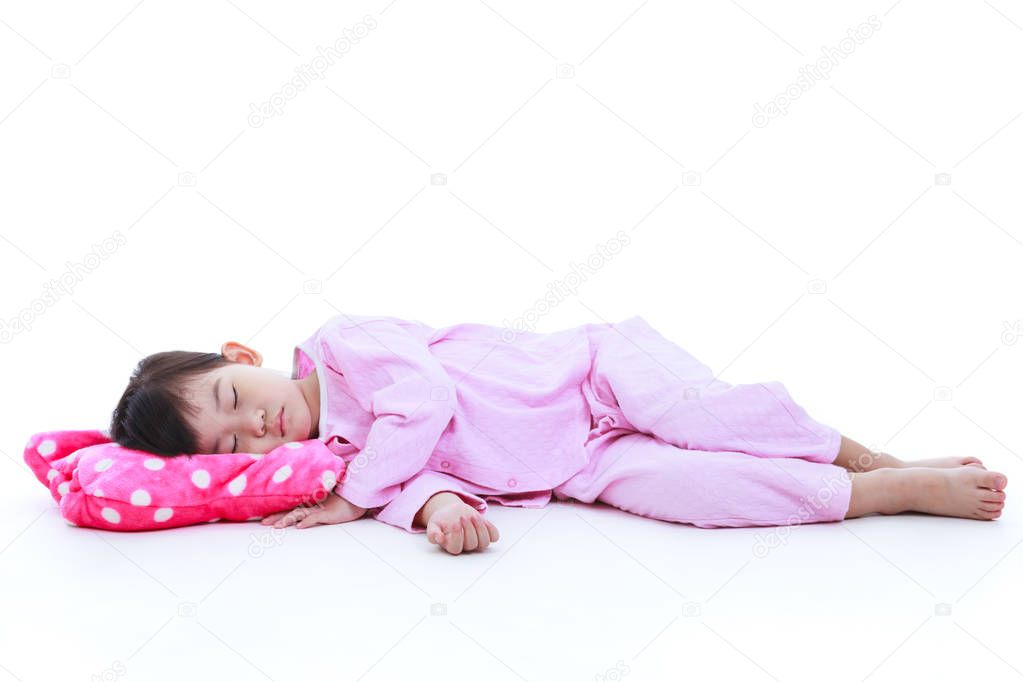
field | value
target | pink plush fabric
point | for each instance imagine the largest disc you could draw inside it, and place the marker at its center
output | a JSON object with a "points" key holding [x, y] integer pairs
{"points": [[99, 484]]}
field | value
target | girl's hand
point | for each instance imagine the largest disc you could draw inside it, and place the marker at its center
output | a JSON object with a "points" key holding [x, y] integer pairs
{"points": [[335, 509], [458, 526]]}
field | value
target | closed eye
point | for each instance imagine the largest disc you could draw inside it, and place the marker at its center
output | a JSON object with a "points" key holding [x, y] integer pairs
{"points": [[234, 447]]}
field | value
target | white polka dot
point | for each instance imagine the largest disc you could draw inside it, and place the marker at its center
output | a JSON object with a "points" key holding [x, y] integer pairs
{"points": [[110, 515], [163, 513], [154, 463], [329, 479], [237, 485], [212, 520], [114, 445], [97, 493], [256, 455], [201, 478], [293, 445], [51, 474], [47, 447], [104, 464], [282, 474], [140, 498], [63, 488]]}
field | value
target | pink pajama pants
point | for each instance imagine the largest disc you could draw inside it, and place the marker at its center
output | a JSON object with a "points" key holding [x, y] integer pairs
{"points": [[671, 442]]}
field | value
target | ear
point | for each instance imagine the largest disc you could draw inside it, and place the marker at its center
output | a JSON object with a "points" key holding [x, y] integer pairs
{"points": [[238, 352]]}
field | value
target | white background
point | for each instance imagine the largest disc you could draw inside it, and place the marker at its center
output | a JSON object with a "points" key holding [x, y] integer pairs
{"points": [[864, 248]]}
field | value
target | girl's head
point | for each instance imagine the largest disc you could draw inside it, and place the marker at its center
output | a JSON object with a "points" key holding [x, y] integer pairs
{"points": [[181, 402]]}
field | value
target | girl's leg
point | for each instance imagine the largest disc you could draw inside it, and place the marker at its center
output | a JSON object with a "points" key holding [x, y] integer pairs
{"points": [[662, 390], [965, 491], [650, 384], [644, 475], [856, 457]]}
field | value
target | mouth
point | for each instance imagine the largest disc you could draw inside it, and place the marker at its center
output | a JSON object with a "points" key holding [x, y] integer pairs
{"points": [[280, 422]]}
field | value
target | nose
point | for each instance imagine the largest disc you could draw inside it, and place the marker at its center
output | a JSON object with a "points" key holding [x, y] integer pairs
{"points": [[249, 429]]}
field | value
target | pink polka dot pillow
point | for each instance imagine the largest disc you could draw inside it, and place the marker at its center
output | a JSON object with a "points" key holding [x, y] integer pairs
{"points": [[99, 484]]}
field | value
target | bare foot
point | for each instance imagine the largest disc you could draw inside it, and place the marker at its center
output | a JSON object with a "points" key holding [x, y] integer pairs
{"points": [[941, 462], [858, 458], [970, 492]]}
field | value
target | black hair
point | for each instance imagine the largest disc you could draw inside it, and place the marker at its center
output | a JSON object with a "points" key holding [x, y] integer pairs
{"points": [[150, 415]]}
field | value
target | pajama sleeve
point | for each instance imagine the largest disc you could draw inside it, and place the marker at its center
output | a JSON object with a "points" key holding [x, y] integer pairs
{"points": [[402, 510], [393, 375]]}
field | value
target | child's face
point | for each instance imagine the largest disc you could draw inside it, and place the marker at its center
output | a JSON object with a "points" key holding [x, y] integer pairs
{"points": [[253, 424]]}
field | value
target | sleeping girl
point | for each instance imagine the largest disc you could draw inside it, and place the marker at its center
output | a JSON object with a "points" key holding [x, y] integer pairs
{"points": [[435, 423]]}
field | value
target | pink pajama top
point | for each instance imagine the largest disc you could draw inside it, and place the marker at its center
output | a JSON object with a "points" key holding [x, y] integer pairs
{"points": [[480, 411]]}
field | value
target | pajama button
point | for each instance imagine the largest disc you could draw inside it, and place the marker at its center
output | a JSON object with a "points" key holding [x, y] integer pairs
{"points": [[445, 464], [511, 483]]}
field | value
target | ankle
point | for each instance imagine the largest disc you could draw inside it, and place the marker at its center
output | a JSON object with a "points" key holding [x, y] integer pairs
{"points": [[898, 488], [870, 460], [891, 461], [876, 492]]}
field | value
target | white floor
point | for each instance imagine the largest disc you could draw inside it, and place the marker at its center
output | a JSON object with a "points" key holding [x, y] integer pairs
{"points": [[570, 592], [465, 162]]}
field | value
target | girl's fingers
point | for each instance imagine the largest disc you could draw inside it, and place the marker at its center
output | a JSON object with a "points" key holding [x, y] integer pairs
{"points": [[494, 535], [277, 516], [435, 533], [309, 520], [454, 539], [482, 533], [291, 517], [472, 540]]}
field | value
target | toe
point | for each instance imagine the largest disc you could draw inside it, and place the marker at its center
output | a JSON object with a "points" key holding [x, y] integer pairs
{"points": [[991, 479], [992, 496]]}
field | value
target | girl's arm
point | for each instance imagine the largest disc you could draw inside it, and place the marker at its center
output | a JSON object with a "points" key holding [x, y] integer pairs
{"points": [[422, 517], [403, 511], [391, 373], [455, 525], [335, 509]]}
